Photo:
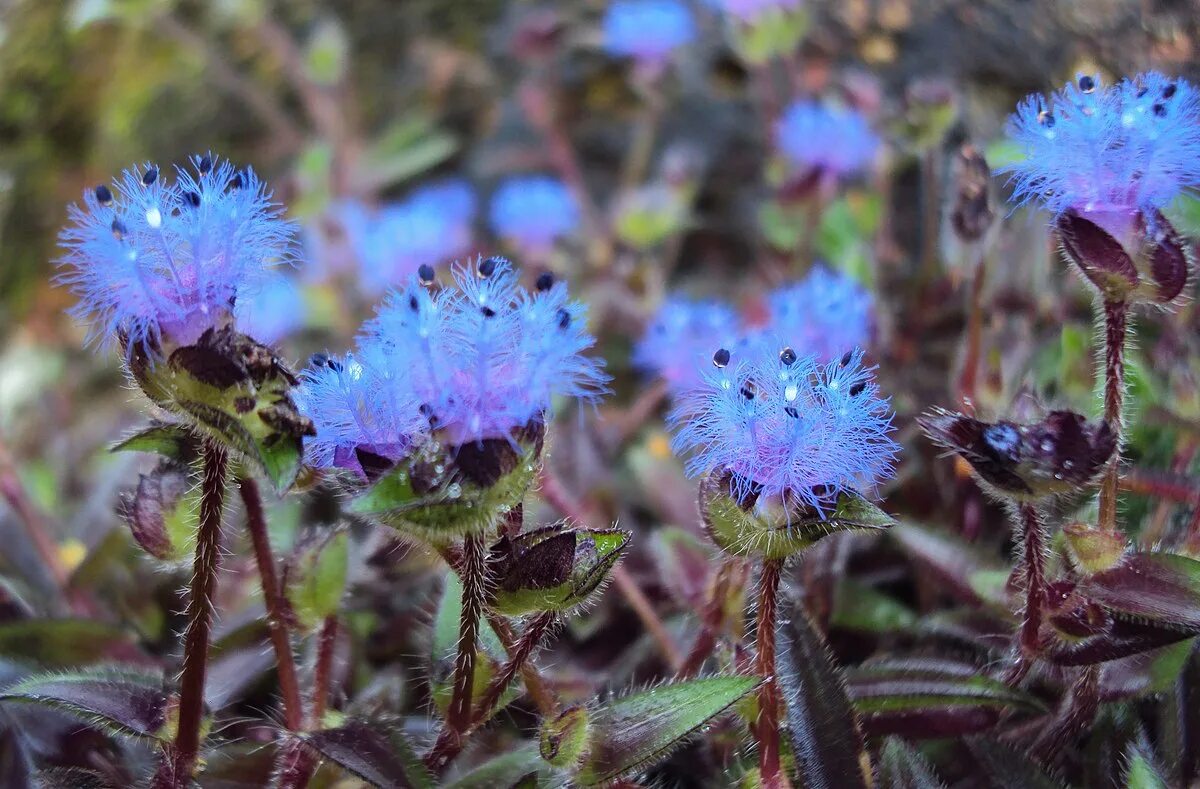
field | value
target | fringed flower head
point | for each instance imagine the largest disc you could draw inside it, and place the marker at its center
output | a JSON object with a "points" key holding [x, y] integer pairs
{"points": [[679, 342], [432, 225], [786, 427], [532, 212], [1133, 146], [158, 260], [830, 141], [647, 30], [1105, 160], [472, 363], [825, 314]]}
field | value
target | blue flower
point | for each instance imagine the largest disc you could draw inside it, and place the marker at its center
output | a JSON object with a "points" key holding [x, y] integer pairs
{"points": [[533, 212], [647, 30], [679, 343], [429, 227], [271, 310], [834, 141], [156, 261], [786, 425], [825, 314], [477, 361], [1128, 147]]}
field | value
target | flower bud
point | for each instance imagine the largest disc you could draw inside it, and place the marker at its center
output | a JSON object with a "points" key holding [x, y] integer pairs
{"points": [[972, 213], [161, 511], [563, 740], [1128, 257], [1093, 549], [553, 568], [1061, 453], [744, 523]]}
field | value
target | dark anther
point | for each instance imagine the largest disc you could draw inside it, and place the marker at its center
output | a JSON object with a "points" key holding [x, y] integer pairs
{"points": [[791, 411], [721, 358], [1169, 90], [1159, 109], [488, 267], [192, 198], [488, 312], [787, 356], [103, 195], [413, 304], [321, 359], [846, 358], [545, 281], [204, 165], [858, 388], [426, 274], [1142, 92], [747, 391], [427, 411], [118, 229], [1046, 118], [564, 319], [150, 176], [236, 181], [1087, 84]]}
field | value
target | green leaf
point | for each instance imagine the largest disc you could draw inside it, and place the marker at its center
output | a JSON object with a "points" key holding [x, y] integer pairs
{"points": [[123, 702], [864, 608], [903, 767], [172, 441], [317, 580], [635, 731], [384, 761], [327, 52], [61, 643], [1143, 772], [505, 770], [406, 150], [826, 743]]}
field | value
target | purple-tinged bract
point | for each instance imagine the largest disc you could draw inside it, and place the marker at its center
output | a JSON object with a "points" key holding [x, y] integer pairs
{"points": [[161, 260], [533, 211], [679, 343], [647, 30], [782, 424], [836, 141], [1099, 148], [825, 314]]}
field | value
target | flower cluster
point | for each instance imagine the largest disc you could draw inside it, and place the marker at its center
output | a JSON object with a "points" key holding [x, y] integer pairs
{"points": [[647, 30], [156, 260], [470, 363], [824, 315], [833, 141], [1133, 146], [784, 425], [532, 212]]}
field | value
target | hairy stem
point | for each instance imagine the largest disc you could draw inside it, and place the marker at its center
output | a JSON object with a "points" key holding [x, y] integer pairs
{"points": [[1033, 541], [473, 573], [1080, 711], [297, 764], [277, 621], [180, 758], [766, 729], [448, 745], [1116, 316], [543, 698]]}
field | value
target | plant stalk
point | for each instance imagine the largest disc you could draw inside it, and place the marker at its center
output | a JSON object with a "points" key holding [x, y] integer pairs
{"points": [[1033, 540], [535, 686], [180, 757], [1116, 317], [766, 728], [474, 573]]}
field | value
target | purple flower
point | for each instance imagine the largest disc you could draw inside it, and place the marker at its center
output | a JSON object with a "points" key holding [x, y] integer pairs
{"points": [[835, 141], [271, 310], [156, 261], [1094, 148], [825, 314], [533, 212], [470, 363], [782, 424], [679, 342], [647, 30]]}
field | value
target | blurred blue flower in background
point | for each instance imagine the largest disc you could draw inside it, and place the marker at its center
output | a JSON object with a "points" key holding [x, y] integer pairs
{"points": [[680, 340], [825, 314], [647, 30], [162, 261], [532, 212], [783, 424], [835, 141], [1128, 147], [272, 310]]}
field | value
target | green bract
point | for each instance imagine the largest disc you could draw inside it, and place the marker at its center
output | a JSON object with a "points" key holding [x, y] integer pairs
{"points": [[553, 568]]}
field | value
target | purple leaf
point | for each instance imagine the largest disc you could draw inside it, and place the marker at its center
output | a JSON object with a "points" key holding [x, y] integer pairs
{"points": [[1098, 255], [380, 760], [122, 702], [1160, 587]]}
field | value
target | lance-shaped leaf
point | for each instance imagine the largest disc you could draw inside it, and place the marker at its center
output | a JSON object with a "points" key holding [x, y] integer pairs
{"points": [[122, 702], [1008, 768], [316, 579], [826, 742], [440, 493], [172, 441], [1121, 639], [384, 761], [509, 769], [1143, 770], [902, 766], [775, 531], [1160, 587], [61, 643], [69, 778], [931, 698], [634, 731], [1146, 674], [552, 569]]}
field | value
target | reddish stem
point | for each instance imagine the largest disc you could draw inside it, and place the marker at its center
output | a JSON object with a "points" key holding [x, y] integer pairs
{"points": [[542, 696], [277, 617], [1033, 540], [766, 728], [1116, 315], [323, 672], [179, 760], [473, 574]]}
